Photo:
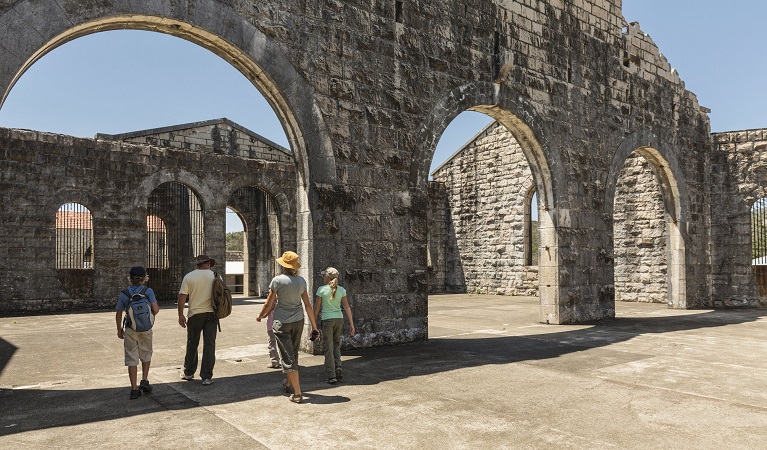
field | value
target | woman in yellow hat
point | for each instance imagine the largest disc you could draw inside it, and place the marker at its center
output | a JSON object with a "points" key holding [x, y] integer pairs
{"points": [[289, 299]]}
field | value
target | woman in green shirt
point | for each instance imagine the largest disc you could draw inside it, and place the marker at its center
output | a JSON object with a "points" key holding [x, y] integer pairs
{"points": [[330, 299]]}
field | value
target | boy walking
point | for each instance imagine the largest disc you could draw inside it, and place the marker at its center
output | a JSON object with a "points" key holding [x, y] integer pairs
{"points": [[137, 344]]}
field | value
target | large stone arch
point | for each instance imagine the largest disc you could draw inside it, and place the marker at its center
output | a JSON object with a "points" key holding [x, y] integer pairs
{"points": [[34, 28], [519, 117], [663, 160]]}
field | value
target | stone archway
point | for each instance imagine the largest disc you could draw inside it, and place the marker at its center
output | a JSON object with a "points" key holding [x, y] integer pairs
{"points": [[208, 23], [674, 192], [485, 98]]}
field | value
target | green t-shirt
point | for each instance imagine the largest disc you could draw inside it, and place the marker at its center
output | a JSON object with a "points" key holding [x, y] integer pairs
{"points": [[331, 307]]}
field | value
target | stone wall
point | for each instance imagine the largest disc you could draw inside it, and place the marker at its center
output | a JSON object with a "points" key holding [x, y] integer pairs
{"points": [[737, 174], [438, 217], [212, 136], [639, 227], [39, 172], [364, 91], [488, 183]]}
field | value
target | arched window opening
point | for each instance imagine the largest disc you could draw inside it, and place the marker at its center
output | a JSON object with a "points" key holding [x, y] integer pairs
{"points": [[156, 243], [260, 241], [235, 251], [531, 229], [176, 235], [481, 234], [759, 244], [74, 237]]}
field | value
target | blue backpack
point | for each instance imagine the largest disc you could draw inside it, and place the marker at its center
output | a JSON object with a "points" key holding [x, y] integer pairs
{"points": [[138, 314]]}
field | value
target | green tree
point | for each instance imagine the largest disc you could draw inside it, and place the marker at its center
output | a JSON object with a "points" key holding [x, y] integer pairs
{"points": [[234, 241]]}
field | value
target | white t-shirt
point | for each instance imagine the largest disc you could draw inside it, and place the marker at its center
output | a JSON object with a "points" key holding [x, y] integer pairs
{"points": [[198, 286]]}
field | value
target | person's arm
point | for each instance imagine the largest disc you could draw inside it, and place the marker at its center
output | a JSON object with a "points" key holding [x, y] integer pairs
{"points": [[119, 321], [181, 317], [271, 300], [345, 304], [309, 310], [317, 306], [153, 300]]}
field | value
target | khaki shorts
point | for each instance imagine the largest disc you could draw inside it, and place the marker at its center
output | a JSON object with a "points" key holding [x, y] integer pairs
{"points": [[138, 346]]}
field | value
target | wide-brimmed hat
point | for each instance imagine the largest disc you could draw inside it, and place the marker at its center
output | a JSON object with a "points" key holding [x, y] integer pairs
{"points": [[203, 259], [138, 271], [289, 260], [332, 272]]}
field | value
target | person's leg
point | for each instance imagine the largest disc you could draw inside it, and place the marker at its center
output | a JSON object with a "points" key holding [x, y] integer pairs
{"points": [[327, 349], [296, 329], [133, 374], [208, 346], [145, 369], [131, 350], [293, 381], [193, 328], [274, 357], [337, 328], [144, 385], [145, 354]]}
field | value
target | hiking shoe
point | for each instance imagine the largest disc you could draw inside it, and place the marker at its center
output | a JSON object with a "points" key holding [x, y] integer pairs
{"points": [[145, 386], [135, 393], [187, 377], [332, 381], [207, 382], [339, 374]]}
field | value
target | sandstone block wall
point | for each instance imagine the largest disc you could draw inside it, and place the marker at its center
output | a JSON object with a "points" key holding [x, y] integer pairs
{"points": [[39, 172], [488, 184], [213, 136], [737, 174], [639, 230], [365, 89]]}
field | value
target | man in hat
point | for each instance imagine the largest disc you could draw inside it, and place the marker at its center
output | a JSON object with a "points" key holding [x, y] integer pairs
{"points": [[196, 288]]}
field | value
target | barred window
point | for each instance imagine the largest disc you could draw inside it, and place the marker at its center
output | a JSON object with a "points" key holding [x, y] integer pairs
{"points": [[156, 243], [759, 233], [74, 237]]}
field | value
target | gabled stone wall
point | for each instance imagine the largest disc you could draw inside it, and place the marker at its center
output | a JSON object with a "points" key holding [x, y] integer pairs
{"points": [[488, 183], [220, 136], [39, 172]]}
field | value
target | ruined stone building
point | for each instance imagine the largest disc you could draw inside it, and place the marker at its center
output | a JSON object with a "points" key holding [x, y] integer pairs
{"points": [[364, 90], [489, 243]]}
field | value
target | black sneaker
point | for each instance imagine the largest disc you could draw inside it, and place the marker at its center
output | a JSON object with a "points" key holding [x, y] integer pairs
{"points": [[135, 393], [145, 386], [339, 374]]}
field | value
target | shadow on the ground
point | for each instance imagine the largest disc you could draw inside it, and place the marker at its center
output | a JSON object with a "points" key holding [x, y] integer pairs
{"points": [[6, 353], [32, 409]]}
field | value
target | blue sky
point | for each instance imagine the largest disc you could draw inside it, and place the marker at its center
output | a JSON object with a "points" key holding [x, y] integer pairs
{"points": [[122, 81]]}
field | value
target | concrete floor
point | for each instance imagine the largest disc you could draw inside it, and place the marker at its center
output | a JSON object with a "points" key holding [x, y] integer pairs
{"points": [[489, 376]]}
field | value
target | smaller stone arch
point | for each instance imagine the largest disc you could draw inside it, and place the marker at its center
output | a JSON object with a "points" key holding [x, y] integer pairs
{"points": [[520, 118], [258, 211], [74, 237], [663, 161], [181, 210], [530, 232], [74, 249]]}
